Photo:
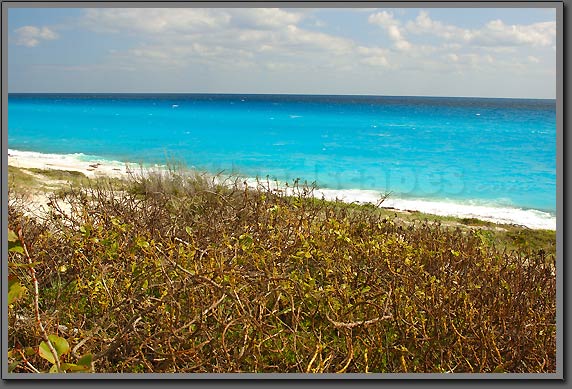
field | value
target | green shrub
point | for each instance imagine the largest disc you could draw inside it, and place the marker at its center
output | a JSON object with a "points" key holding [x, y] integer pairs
{"points": [[181, 273]]}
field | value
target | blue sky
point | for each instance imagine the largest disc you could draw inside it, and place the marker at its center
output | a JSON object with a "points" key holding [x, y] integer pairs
{"points": [[490, 52]]}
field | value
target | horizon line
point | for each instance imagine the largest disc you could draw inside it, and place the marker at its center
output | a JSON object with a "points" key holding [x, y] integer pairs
{"points": [[276, 94]]}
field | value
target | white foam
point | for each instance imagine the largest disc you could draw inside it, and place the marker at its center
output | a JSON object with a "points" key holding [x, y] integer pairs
{"points": [[89, 165], [470, 209], [527, 217]]}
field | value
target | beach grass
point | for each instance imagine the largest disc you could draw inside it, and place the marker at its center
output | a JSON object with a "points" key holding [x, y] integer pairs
{"points": [[57, 174], [170, 272], [20, 180], [42, 179]]}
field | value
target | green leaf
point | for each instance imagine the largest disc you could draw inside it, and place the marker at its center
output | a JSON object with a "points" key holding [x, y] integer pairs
{"points": [[67, 366], [60, 345], [85, 360], [143, 244], [189, 231], [14, 244], [12, 237], [53, 369], [245, 240], [73, 367], [15, 291], [45, 352], [16, 248], [13, 365]]}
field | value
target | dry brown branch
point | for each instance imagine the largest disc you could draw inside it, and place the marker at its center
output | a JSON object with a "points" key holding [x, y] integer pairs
{"points": [[37, 304], [28, 364], [317, 286], [354, 324]]}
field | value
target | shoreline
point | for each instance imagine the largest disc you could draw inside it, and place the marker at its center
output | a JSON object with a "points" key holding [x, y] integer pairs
{"points": [[71, 162], [530, 218]]}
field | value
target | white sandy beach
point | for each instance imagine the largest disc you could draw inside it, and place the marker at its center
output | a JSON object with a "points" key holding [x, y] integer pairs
{"points": [[99, 168], [92, 169]]}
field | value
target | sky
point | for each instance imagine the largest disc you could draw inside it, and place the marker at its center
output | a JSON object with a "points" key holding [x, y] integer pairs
{"points": [[480, 52]]}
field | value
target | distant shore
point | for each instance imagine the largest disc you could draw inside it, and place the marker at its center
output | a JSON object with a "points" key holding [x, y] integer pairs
{"points": [[100, 168]]}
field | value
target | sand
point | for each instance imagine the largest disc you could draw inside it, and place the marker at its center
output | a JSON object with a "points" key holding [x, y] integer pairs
{"points": [[101, 168], [36, 201], [92, 169]]}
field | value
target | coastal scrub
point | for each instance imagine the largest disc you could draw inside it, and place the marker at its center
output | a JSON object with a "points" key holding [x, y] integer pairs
{"points": [[178, 272]]}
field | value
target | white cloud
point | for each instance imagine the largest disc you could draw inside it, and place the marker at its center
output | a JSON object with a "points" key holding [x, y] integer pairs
{"points": [[452, 46], [317, 40], [474, 60], [452, 57], [182, 55], [280, 66], [496, 33], [386, 20], [376, 61], [31, 36], [244, 30], [373, 56], [154, 20], [86, 68], [187, 20], [383, 18], [273, 40], [248, 35], [423, 24], [402, 45], [492, 35], [263, 18]]}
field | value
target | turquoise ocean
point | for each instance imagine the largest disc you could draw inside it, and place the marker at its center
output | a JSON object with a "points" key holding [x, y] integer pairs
{"points": [[475, 157]]}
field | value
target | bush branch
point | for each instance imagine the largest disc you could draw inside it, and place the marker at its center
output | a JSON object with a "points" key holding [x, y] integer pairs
{"points": [[36, 302]]}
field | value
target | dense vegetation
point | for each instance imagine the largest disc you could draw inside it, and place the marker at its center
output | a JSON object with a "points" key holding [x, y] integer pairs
{"points": [[175, 272]]}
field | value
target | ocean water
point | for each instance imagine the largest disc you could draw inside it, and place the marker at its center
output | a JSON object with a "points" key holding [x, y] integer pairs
{"points": [[488, 158]]}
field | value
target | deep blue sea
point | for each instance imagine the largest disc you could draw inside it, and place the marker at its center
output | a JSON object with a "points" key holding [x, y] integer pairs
{"points": [[494, 153]]}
